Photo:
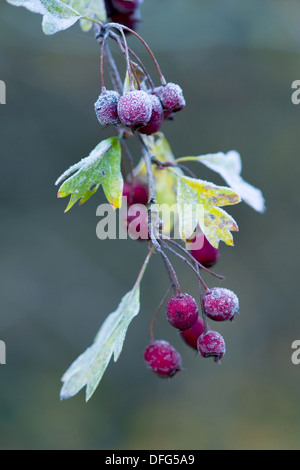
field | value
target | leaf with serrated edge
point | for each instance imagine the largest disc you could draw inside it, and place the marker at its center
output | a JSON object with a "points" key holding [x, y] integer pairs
{"points": [[102, 166], [88, 369], [198, 203], [229, 166]]}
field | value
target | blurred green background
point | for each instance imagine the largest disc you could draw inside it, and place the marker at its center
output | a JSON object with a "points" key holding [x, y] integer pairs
{"points": [[236, 62]]}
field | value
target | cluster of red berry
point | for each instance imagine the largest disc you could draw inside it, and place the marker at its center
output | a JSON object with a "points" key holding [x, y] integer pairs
{"points": [[138, 109], [219, 304]]}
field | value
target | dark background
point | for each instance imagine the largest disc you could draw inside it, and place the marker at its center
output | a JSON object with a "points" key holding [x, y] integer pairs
{"points": [[236, 62]]}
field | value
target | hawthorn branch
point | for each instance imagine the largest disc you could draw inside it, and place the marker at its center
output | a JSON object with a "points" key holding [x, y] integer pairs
{"points": [[182, 258], [187, 253]]}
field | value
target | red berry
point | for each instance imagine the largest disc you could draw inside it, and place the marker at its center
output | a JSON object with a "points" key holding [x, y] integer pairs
{"points": [[126, 6], [191, 335], [136, 193], [182, 311], [162, 358], [220, 304], [156, 118], [171, 96], [106, 107], [135, 108], [207, 254], [211, 344]]}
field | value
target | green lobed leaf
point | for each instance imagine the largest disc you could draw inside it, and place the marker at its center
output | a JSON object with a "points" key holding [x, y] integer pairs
{"points": [[198, 204], [229, 166], [102, 166], [88, 369]]}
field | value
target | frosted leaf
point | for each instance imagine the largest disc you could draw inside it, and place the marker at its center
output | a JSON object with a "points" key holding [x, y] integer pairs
{"points": [[57, 16], [32, 5], [229, 166], [87, 370], [198, 203], [102, 166]]}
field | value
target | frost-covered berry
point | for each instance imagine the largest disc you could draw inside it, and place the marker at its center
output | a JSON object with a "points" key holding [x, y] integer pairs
{"points": [[135, 108], [211, 344], [106, 107], [162, 358], [207, 255], [191, 335], [171, 96], [126, 6], [136, 193], [220, 304], [182, 311], [156, 119]]}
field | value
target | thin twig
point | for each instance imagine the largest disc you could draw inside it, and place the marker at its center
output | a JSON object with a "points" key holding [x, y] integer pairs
{"points": [[113, 71], [131, 52], [187, 262], [116, 25], [186, 170], [101, 62], [120, 28], [161, 164], [170, 270], [201, 303], [170, 240]]}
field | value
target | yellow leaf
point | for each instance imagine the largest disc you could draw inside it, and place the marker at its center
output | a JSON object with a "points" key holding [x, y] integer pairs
{"points": [[198, 204]]}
